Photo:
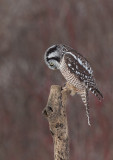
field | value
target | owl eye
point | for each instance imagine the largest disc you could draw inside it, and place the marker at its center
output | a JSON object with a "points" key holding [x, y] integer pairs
{"points": [[51, 64]]}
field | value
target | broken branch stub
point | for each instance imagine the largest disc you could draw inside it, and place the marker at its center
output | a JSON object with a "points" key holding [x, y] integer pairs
{"points": [[55, 112]]}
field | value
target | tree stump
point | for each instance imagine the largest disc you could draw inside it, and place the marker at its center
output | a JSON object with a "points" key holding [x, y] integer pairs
{"points": [[55, 112]]}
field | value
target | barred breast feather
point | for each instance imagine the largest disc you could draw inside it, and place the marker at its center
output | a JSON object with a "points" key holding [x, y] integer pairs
{"points": [[70, 76]]}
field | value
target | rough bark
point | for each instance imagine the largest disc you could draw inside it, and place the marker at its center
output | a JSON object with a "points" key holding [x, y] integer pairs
{"points": [[55, 112]]}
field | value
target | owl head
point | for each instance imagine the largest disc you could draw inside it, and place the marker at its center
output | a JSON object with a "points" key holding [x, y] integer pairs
{"points": [[53, 56]]}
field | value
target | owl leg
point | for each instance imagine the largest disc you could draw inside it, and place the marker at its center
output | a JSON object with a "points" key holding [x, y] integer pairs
{"points": [[69, 87], [84, 96]]}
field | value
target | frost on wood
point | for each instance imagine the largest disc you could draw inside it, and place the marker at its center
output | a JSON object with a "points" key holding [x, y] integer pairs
{"points": [[55, 112]]}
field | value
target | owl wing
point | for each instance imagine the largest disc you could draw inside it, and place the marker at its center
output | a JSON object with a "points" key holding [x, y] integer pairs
{"points": [[79, 66]]}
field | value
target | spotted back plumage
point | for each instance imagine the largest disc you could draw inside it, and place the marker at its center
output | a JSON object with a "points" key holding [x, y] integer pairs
{"points": [[80, 67]]}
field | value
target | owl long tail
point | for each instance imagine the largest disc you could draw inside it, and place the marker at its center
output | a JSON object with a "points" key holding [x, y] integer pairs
{"points": [[97, 93], [84, 96]]}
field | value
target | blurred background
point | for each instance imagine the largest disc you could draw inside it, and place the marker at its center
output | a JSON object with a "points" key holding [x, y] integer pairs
{"points": [[27, 29]]}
